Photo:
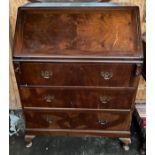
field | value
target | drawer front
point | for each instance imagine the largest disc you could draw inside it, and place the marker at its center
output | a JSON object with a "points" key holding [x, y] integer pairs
{"points": [[92, 120], [74, 74], [77, 98]]}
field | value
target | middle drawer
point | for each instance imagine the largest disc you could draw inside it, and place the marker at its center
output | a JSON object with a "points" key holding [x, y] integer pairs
{"points": [[98, 98]]}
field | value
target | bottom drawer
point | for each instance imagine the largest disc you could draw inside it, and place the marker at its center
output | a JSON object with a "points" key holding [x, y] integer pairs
{"points": [[79, 120]]}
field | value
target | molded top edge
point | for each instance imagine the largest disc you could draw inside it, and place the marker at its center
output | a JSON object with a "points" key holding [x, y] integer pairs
{"points": [[75, 4]]}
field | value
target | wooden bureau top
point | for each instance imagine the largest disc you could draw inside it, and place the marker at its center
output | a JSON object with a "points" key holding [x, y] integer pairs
{"points": [[77, 30]]}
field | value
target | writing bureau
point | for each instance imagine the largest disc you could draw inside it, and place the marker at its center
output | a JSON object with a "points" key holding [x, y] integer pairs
{"points": [[77, 67]]}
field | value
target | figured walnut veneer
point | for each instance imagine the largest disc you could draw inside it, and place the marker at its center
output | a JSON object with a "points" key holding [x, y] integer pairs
{"points": [[77, 67]]}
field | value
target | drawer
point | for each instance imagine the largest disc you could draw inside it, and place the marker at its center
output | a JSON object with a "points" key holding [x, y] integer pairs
{"points": [[92, 120], [98, 98], [75, 74]]}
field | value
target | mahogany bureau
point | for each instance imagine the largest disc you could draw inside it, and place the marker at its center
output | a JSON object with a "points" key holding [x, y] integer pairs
{"points": [[77, 67]]}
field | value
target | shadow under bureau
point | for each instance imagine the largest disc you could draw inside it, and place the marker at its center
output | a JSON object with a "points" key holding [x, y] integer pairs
{"points": [[77, 67]]}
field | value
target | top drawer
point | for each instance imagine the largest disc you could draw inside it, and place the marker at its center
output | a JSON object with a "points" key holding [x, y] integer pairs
{"points": [[75, 74]]}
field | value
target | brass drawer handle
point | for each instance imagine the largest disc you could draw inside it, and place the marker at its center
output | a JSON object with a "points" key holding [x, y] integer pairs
{"points": [[48, 98], [106, 75], [49, 120], [104, 99], [102, 122], [46, 74]]}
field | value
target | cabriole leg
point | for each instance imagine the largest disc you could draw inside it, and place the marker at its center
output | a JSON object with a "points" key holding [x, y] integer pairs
{"points": [[28, 140], [125, 142]]}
